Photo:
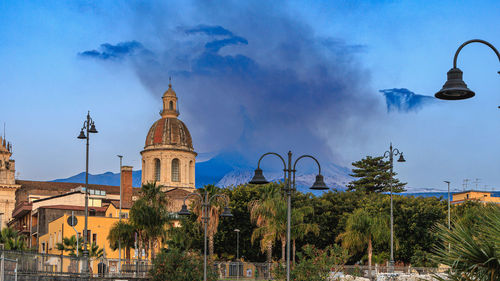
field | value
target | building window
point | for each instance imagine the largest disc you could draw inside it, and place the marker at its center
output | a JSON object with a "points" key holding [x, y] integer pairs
{"points": [[175, 170], [94, 238], [94, 202], [191, 171], [157, 169], [171, 105]]}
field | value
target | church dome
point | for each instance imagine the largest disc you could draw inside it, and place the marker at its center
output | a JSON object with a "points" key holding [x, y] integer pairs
{"points": [[169, 132]]}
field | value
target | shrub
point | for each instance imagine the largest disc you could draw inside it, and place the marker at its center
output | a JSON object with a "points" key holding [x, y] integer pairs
{"points": [[177, 265]]}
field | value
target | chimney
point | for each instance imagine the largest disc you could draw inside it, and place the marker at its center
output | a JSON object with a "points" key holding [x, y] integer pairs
{"points": [[126, 183]]}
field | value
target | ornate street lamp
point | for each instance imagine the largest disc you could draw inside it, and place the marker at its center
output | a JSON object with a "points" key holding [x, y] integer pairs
{"points": [[289, 180], [391, 153], [89, 127], [455, 87], [205, 201]]}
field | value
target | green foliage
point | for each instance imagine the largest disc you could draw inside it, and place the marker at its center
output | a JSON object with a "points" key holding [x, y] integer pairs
{"points": [[125, 233], [149, 216], [12, 240], [374, 175], [314, 264], [471, 250], [177, 265], [69, 245]]}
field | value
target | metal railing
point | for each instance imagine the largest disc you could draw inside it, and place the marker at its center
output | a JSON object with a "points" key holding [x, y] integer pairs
{"points": [[243, 270]]}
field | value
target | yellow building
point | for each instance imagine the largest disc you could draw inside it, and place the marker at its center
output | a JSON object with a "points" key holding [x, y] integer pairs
{"points": [[99, 228], [474, 195]]}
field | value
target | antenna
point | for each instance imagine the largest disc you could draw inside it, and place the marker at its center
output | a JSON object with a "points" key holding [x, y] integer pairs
{"points": [[465, 185], [477, 181]]}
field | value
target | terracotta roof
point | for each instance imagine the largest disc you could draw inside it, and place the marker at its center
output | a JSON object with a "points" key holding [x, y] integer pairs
{"points": [[65, 186], [169, 131], [73, 208], [125, 205]]}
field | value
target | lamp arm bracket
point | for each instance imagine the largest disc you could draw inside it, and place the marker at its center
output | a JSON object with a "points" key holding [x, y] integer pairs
{"points": [[192, 194], [396, 151], [474, 41], [273, 153], [387, 154], [218, 195], [307, 156]]}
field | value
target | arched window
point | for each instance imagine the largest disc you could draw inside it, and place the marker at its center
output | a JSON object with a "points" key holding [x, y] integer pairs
{"points": [[157, 169], [191, 172], [171, 105], [175, 170]]}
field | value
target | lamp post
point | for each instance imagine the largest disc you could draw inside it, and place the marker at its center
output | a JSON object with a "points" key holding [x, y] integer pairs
{"points": [[237, 253], [120, 220], [391, 153], [205, 203], [449, 213], [289, 180], [455, 87], [89, 127]]}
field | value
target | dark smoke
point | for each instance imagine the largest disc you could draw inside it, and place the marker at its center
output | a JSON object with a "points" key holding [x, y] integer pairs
{"points": [[113, 52], [255, 80], [404, 100]]}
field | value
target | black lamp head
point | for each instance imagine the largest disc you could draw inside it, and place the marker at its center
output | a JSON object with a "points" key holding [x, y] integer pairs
{"points": [[401, 158], [226, 213], [258, 177], [92, 129], [82, 135], [184, 211], [319, 184], [455, 87]]}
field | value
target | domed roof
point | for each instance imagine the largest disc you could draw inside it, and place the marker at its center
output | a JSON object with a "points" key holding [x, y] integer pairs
{"points": [[169, 132]]}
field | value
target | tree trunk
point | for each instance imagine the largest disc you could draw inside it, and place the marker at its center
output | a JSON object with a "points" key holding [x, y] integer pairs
{"points": [[269, 252], [127, 253], [370, 250], [211, 246], [283, 247], [293, 251]]}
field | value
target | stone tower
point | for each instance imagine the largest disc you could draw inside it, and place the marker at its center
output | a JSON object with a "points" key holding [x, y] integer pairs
{"points": [[168, 157], [8, 184]]}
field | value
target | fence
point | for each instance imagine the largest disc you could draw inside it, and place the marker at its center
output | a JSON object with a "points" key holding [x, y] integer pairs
{"points": [[367, 272], [243, 270]]}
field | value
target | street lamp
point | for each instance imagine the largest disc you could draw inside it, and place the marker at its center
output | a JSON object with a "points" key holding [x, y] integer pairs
{"points": [[89, 127], [120, 219], [205, 203], [237, 252], [289, 180], [455, 87], [449, 214], [391, 153]]}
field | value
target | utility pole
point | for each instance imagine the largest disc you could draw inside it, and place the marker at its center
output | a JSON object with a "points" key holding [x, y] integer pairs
{"points": [[120, 219]]}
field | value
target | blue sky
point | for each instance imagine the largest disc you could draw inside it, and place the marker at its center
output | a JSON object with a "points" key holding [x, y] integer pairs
{"points": [[252, 76]]}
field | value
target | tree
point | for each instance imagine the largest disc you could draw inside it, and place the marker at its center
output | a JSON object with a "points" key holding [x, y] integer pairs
{"points": [[374, 175], [299, 228], [125, 233], [471, 250], [12, 240], [70, 245], [268, 213], [214, 212], [176, 265], [363, 230], [315, 264], [149, 216]]}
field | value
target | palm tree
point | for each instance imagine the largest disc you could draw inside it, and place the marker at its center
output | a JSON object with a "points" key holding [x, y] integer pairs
{"points": [[125, 233], [363, 230], [269, 215], [70, 245], [213, 213], [299, 228], [12, 240], [149, 216], [471, 248]]}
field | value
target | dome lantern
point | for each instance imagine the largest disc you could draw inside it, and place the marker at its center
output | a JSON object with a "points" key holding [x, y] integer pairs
{"points": [[170, 109]]}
